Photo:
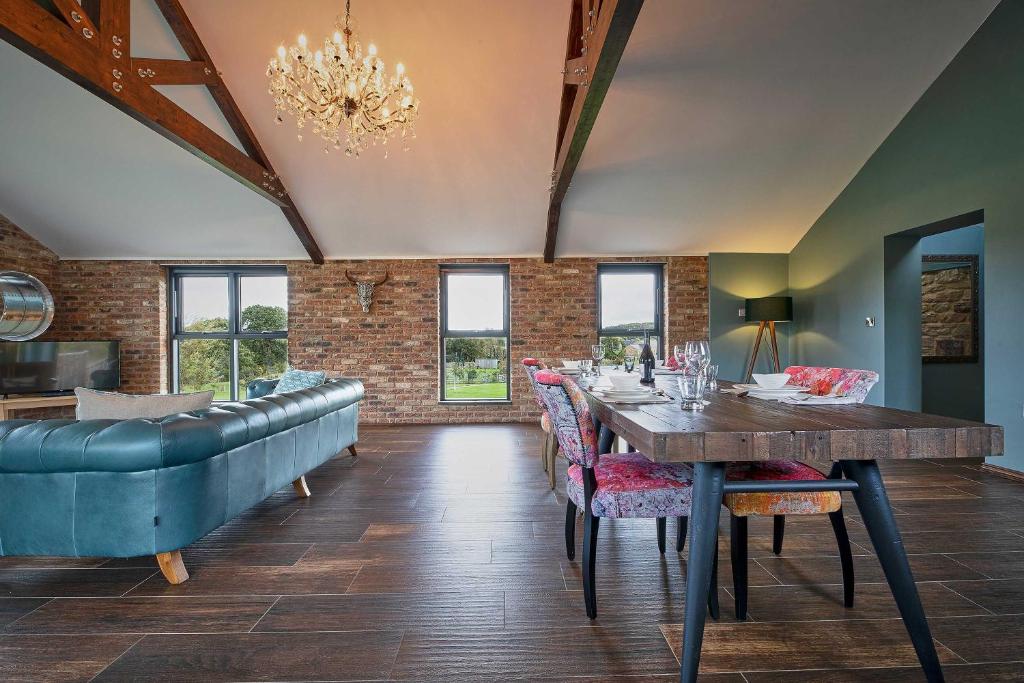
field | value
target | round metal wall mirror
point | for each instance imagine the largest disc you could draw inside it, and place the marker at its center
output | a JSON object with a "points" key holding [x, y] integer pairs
{"points": [[26, 306]]}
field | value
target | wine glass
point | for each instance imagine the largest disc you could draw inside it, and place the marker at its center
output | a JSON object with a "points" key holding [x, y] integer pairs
{"points": [[597, 352], [679, 351], [629, 362], [698, 356]]}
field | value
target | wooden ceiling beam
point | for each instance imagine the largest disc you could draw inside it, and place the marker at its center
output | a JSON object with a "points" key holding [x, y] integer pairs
{"points": [[100, 62], [193, 46], [78, 20], [174, 72], [588, 75]]}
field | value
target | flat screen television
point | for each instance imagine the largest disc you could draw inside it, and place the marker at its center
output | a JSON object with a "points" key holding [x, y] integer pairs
{"points": [[34, 367]]}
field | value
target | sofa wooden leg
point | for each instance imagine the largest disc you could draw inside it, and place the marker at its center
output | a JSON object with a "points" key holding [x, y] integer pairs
{"points": [[352, 450], [172, 567], [301, 489]]}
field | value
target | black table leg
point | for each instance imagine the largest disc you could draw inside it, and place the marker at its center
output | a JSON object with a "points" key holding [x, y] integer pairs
{"points": [[885, 537], [708, 484], [605, 439]]}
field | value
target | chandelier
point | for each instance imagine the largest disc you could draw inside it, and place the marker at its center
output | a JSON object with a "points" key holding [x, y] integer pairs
{"points": [[341, 93]]}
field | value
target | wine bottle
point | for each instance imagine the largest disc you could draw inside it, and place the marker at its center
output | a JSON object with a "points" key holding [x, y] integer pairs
{"points": [[647, 361]]}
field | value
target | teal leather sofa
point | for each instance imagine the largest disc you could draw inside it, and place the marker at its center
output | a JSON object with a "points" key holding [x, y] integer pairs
{"points": [[126, 488]]}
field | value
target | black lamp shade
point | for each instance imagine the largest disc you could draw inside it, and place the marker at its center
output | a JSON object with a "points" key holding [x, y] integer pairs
{"points": [[776, 308]]}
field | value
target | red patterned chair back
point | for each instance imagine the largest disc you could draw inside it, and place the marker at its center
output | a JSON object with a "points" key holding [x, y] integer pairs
{"points": [[833, 381], [532, 366], [570, 417]]}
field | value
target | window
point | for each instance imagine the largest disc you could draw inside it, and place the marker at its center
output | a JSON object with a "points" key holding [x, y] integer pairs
{"points": [[630, 302], [229, 326], [474, 333]]}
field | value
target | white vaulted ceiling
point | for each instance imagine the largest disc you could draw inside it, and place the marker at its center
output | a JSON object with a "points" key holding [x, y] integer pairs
{"points": [[729, 127]]}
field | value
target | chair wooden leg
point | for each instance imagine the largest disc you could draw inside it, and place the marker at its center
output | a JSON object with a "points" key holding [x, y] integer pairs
{"points": [[172, 567], [570, 530], [544, 451], [778, 532], [738, 547], [301, 489], [661, 521], [845, 554], [549, 460], [590, 527], [352, 450], [681, 525]]}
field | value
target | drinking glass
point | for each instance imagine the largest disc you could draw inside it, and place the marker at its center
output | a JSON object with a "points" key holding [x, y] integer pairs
{"points": [[629, 362], [585, 367], [691, 390], [597, 351], [712, 377]]}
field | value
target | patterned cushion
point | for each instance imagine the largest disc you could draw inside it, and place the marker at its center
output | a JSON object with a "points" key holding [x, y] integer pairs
{"points": [[833, 381], [570, 416], [631, 485], [293, 380], [768, 504], [545, 422]]}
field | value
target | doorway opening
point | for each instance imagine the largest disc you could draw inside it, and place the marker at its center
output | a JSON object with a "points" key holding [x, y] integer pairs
{"points": [[935, 318]]}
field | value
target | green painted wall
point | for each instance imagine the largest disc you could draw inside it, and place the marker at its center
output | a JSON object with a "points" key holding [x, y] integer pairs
{"points": [[731, 279], [959, 149]]}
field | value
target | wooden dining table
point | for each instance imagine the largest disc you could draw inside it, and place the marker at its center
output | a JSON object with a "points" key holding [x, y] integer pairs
{"points": [[744, 428]]}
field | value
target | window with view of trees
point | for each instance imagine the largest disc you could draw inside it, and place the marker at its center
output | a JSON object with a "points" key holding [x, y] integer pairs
{"points": [[630, 302], [474, 333], [229, 327]]}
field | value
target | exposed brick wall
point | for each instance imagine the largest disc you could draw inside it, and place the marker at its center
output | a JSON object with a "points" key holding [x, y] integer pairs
{"points": [[122, 300], [19, 251], [394, 348]]}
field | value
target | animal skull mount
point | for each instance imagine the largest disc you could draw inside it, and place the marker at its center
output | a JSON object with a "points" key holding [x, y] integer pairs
{"points": [[364, 289]]}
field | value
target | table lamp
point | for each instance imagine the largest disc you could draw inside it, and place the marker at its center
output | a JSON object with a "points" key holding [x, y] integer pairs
{"points": [[767, 310]]}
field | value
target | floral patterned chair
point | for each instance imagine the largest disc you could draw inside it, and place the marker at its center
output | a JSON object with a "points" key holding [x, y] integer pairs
{"points": [[608, 484], [837, 382], [549, 450]]}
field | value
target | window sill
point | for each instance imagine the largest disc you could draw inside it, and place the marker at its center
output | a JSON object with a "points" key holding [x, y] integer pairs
{"points": [[475, 401]]}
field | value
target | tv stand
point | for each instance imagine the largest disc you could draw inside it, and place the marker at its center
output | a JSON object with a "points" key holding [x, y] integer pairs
{"points": [[9, 405]]}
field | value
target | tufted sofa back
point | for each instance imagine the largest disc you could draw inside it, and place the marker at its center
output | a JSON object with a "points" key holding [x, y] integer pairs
{"points": [[140, 445], [124, 488]]}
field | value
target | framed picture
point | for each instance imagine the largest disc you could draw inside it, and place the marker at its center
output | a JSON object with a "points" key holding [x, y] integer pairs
{"points": [[949, 308]]}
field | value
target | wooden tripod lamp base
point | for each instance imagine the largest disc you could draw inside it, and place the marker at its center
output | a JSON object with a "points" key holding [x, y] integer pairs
{"points": [[766, 311]]}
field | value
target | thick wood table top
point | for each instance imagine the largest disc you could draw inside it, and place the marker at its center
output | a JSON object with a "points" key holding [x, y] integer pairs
{"points": [[735, 428]]}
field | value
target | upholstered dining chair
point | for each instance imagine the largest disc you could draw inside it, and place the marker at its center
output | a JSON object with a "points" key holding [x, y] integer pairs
{"points": [[608, 484], [838, 382], [549, 450]]}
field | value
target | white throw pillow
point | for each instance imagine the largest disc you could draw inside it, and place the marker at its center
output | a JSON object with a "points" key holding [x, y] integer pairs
{"points": [[108, 405]]}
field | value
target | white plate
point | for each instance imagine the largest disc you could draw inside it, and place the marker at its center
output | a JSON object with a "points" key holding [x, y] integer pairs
{"points": [[611, 393], [567, 371], [762, 390]]}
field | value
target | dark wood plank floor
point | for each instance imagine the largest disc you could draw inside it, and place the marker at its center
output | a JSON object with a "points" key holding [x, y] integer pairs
{"points": [[437, 555]]}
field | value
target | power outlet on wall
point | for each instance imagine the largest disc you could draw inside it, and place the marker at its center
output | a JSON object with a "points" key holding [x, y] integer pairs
{"points": [[743, 313]]}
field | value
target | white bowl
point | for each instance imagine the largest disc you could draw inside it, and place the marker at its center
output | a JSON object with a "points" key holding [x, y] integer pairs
{"points": [[776, 381], [571, 364], [626, 381]]}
